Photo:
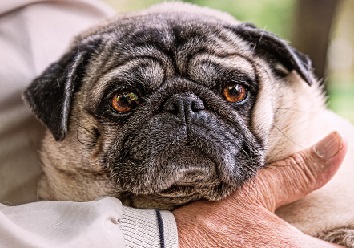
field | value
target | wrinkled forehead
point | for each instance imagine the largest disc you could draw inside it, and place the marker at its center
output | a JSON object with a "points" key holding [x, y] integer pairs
{"points": [[173, 32], [161, 46]]}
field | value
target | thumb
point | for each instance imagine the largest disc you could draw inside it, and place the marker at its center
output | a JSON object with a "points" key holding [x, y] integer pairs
{"points": [[290, 179]]}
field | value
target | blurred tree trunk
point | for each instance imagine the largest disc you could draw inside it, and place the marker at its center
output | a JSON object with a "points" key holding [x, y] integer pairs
{"points": [[312, 29]]}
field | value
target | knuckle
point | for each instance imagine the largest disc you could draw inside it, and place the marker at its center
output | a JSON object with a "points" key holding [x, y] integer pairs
{"points": [[298, 159], [303, 168]]}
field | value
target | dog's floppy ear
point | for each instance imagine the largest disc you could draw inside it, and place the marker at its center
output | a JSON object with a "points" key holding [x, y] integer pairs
{"points": [[266, 42], [50, 94]]}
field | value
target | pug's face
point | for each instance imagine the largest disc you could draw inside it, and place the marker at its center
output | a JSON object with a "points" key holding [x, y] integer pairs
{"points": [[160, 108]]}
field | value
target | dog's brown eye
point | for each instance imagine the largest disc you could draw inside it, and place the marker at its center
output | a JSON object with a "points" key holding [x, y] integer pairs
{"points": [[125, 101], [235, 93]]}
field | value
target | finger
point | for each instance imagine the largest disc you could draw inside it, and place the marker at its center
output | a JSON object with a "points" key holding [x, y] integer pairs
{"points": [[285, 181], [331, 150]]}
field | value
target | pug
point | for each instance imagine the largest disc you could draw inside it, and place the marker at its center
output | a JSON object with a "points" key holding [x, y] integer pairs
{"points": [[178, 103]]}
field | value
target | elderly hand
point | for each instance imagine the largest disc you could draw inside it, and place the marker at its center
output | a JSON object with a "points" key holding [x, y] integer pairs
{"points": [[246, 218]]}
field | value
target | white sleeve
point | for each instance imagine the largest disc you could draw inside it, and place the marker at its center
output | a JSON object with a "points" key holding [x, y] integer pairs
{"points": [[62, 224], [101, 223]]}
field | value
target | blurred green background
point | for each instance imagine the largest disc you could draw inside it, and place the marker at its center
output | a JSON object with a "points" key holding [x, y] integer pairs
{"points": [[324, 29]]}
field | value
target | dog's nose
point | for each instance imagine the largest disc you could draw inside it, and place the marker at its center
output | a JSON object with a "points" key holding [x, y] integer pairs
{"points": [[184, 105]]}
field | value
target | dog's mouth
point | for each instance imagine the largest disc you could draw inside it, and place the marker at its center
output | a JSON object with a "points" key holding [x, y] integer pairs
{"points": [[170, 167], [178, 195], [188, 174]]}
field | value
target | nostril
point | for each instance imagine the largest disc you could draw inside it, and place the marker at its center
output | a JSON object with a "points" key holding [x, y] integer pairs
{"points": [[183, 105], [197, 105]]}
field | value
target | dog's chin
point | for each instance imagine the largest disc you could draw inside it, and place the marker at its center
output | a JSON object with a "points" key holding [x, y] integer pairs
{"points": [[177, 195], [192, 176], [188, 171]]}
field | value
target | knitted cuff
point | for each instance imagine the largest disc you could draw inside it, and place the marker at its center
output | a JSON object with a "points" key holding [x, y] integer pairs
{"points": [[149, 228]]}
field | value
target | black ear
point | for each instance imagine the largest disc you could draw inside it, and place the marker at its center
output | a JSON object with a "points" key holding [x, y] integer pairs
{"points": [[270, 44], [50, 95]]}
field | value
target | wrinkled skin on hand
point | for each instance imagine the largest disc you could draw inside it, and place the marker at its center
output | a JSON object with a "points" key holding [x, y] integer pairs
{"points": [[247, 219]]}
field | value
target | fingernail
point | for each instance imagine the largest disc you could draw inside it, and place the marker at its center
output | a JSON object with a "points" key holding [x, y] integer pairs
{"points": [[329, 146]]}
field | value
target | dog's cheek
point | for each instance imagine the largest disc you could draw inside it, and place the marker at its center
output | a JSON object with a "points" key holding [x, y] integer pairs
{"points": [[263, 111], [72, 166], [84, 130], [69, 173]]}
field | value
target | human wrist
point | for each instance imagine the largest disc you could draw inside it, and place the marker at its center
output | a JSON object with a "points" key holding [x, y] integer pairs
{"points": [[212, 224], [190, 228], [208, 224]]}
